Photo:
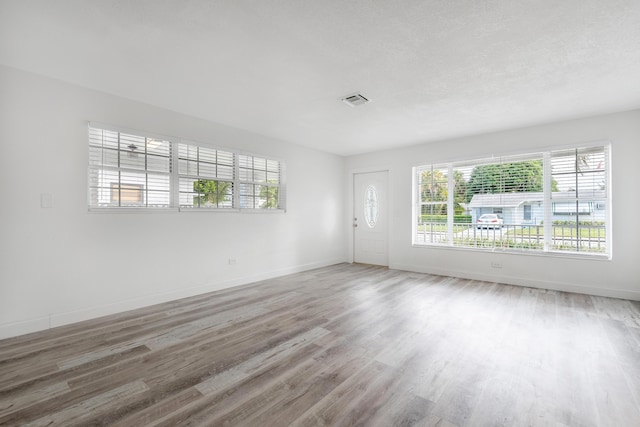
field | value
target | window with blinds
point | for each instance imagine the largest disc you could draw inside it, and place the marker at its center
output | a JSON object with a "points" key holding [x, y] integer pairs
{"points": [[206, 177], [260, 183], [579, 206], [128, 169], [552, 201], [433, 189]]}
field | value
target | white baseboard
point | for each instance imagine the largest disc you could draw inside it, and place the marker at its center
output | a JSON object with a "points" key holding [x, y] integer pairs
{"points": [[23, 327], [521, 281], [13, 329]]}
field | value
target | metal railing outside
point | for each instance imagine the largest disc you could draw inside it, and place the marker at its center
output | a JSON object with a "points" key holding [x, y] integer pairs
{"points": [[572, 237]]}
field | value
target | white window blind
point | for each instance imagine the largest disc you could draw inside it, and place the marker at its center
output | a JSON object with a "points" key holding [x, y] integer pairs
{"points": [[260, 183], [579, 202], [128, 169], [434, 202], [206, 177], [553, 201]]}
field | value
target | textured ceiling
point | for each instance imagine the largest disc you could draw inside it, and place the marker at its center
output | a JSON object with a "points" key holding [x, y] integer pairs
{"points": [[434, 69]]}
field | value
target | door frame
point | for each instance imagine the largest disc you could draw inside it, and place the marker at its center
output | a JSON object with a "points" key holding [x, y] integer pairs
{"points": [[351, 176]]}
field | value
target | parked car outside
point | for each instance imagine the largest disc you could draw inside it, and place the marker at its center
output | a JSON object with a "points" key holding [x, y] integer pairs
{"points": [[490, 221]]}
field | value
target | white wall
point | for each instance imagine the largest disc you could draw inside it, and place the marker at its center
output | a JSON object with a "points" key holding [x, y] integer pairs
{"points": [[619, 277], [65, 264]]}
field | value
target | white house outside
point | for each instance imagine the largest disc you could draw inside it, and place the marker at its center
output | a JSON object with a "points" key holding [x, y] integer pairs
{"points": [[528, 208]]}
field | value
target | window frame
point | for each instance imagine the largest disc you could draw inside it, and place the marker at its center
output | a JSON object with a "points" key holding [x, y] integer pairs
{"points": [[244, 183], [199, 162], [175, 176], [148, 173], [603, 203]]}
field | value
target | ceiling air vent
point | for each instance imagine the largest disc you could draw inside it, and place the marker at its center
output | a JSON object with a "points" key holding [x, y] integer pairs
{"points": [[354, 100]]}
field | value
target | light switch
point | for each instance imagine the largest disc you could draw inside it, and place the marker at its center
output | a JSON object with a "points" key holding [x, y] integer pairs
{"points": [[46, 200]]}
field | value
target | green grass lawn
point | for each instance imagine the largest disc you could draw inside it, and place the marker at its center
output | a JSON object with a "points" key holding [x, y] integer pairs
{"points": [[435, 228], [558, 232]]}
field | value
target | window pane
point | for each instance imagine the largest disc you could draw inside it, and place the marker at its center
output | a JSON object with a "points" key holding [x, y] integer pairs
{"points": [[579, 173], [246, 174], [132, 143], [106, 177], [103, 138], [132, 159], [259, 176], [158, 147], [133, 170], [433, 185], [158, 198], [188, 152], [245, 161], [158, 164], [189, 197], [273, 177], [259, 171], [247, 202], [158, 182], [186, 185], [127, 194], [270, 198], [205, 193], [206, 155], [225, 172], [207, 169], [432, 223], [247, 198], [273, 166], [186, 167], [259, 163], [225, 158], [209, 164], [103, 157], [579, 231], [500, 202], [187, 200]]}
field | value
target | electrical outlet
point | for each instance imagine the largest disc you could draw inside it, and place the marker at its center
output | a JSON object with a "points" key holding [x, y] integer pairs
{"points": [[496, 265], [232, 261]]}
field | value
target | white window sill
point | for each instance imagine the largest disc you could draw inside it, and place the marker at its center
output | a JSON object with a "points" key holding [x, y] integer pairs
{"points": [[139, 210]]}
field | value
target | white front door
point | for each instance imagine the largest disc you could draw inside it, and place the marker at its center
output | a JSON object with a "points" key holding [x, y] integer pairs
{"points": [[370, 218]]}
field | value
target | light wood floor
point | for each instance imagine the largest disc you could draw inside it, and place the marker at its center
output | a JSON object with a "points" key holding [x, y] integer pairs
{"points": [[342, 345]]}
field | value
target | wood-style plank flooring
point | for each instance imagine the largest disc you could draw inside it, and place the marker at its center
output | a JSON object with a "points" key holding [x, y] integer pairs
{"points": [[342, 345]]}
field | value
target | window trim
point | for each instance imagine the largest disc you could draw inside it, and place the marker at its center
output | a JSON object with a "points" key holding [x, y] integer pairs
{"points": [[449, 163], [174, 176]]}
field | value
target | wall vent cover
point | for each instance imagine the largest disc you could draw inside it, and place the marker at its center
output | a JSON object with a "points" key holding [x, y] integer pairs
{"points": [[355, 99]]}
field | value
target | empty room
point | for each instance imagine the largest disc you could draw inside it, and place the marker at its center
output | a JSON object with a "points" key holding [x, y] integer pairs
{"points": [[319, 213]]}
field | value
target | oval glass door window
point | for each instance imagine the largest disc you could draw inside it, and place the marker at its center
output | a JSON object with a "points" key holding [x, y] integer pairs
{"points": [[371, 206]]}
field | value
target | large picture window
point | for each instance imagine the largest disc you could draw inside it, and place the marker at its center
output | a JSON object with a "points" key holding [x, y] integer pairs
{"points": [[555, 201], [128, 169]]}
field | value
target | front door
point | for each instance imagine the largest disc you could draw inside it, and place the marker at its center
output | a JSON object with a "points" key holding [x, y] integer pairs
{"points": [[370, 219]]}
